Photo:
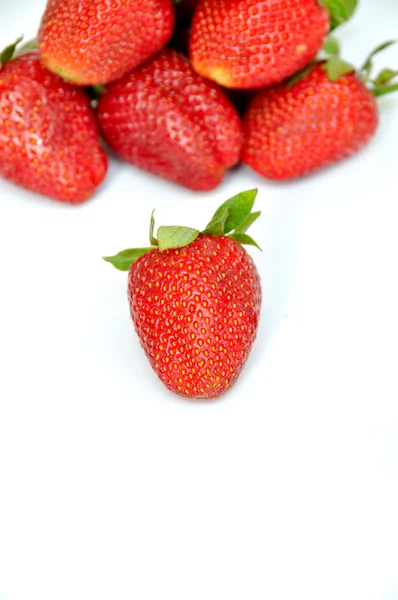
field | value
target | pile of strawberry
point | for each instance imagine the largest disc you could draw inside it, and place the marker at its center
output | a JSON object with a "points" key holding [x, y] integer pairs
{"points": [[184, 91]]}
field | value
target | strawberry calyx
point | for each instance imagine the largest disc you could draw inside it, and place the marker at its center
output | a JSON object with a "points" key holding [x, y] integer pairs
{"points": [[336, 67], [331, 46], [340, 11], [11, 52], [382, 83], [7, 54], [232, 218]]}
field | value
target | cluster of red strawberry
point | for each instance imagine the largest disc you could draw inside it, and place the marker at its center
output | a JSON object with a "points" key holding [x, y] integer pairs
{"points": [[194, 295], [171, 113]]}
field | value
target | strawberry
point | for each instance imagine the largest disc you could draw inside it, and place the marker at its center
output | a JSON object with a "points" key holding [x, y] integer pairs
{"points": [[256, 42], [91, 42], [326, 114], [164, 118], [195, 300], [49, 139]]}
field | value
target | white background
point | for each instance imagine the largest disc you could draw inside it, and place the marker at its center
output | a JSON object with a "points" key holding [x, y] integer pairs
{"points": [[287, 487]]}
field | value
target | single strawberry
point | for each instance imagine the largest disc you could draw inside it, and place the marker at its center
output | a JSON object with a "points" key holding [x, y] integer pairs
{"points": [[195, 300], [91, 42], [49, 138], [164, 118], [257, 42], [323, 115]]}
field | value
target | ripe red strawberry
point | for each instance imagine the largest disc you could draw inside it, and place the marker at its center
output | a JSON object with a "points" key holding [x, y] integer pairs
{"points": [[257, 42], [195, 300], [325, 116], [164, 118], [90, 42], [49, 139]]}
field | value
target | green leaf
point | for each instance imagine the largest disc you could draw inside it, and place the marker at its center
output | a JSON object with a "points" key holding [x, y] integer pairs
{"points": [[217, 224], [243, 238], [244, 226], [124, 259], [367, 65], [152, 238], [337, 67], [384, 77], [239, 208], [8, 52], [340, 11], [173, 236], [387, 89], [331, 46]]}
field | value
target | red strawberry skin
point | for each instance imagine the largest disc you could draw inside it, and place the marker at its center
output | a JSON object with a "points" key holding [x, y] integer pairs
{"points": [[291, 132], [49, 139], [196, 310], [90, 42], [164, 118], [255, 43]]}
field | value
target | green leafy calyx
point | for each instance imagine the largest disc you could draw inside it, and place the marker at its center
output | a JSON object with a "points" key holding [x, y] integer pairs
{"points": [[331, 46], [124, 259], [11, 51], [368, 64], [237, 209], [340, 11], [383, 83], [336, 67], [174, 236], [232, 218]]}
